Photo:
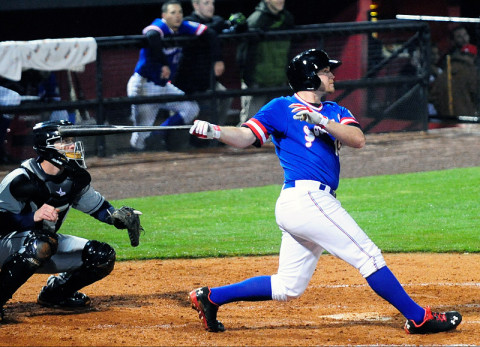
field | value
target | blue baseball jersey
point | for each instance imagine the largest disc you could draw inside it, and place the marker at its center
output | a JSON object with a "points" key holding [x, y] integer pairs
{"points": [[149, 67], [306, 151]]}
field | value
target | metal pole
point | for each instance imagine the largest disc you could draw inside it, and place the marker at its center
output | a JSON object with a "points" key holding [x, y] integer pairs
{"points": [[100, 141]]}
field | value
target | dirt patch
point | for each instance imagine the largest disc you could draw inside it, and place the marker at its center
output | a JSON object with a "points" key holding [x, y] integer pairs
{"points": [[144, 303]]}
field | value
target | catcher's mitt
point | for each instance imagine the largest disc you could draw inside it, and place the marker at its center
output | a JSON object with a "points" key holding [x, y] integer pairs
{"points": [[128, 218]]}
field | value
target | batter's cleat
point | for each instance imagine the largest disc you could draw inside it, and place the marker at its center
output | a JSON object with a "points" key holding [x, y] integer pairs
{"points": [[207, 310], [434, 322], [76, 300]]}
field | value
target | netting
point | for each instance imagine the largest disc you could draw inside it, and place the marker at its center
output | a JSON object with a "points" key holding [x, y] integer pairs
{"points": [[383, 81]]}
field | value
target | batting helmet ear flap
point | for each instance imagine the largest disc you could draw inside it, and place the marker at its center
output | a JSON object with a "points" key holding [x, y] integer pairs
{"points": [[313, 82]]}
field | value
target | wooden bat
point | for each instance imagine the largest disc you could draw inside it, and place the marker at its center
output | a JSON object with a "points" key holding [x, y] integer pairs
{"points": [[96, 130]]}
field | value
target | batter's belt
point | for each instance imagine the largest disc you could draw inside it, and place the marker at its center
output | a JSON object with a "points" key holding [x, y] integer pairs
{"points": [[308, 184]]}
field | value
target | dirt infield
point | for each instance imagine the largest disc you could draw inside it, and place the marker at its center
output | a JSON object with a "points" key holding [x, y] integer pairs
{"points": [[144, 303]]}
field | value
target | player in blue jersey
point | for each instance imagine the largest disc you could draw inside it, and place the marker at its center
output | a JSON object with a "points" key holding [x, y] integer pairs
{"points": [[156, 69], [307, 134]]}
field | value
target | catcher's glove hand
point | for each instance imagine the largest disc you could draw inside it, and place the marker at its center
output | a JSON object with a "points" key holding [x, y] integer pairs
{"points": [[128, 218]]}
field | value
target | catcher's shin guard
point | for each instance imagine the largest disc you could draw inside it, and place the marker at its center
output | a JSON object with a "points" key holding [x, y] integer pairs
{"points": [[98, 261], [20, 266], [16, 270]]}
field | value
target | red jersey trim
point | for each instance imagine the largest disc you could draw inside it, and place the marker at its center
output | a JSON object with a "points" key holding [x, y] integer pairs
{"points": [[152, 27], [258, 129], [317, 109], [201, 28]]}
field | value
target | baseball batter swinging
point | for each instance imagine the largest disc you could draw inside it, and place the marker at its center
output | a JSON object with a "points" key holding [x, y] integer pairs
{"points": [[307, 134]]}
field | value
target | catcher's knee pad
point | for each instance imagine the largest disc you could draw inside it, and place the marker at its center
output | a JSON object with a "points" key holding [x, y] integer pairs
{"points": [[40, 246], [98, 261], [98, 258], [374, 263], [20, 266], [283, 292]]}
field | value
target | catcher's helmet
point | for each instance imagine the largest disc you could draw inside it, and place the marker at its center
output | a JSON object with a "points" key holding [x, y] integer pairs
{"points": [[46, 134], [302, 70]]}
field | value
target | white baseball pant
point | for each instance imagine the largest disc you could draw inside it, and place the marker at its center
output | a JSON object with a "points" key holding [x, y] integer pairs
{"points": [[313, 220], [145, 114]]}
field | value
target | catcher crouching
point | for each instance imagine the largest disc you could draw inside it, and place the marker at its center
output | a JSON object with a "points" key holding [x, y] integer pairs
{"points": [[34, 202]]}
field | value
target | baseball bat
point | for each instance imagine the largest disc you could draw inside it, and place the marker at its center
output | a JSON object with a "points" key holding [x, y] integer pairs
{"points": [[96, 130], [457, 119]]}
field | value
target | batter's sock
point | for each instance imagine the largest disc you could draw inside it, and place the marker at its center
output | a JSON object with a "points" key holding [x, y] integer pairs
{"points": [[254, 289], [386, 285], [176, 119]]}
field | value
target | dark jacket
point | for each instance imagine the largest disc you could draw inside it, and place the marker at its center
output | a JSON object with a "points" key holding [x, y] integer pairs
{"points": [[216, 23], [263, 63], [195, 72]]}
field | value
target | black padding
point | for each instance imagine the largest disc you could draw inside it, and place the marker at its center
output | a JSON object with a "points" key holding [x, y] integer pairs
{"points": [[41, 245]]}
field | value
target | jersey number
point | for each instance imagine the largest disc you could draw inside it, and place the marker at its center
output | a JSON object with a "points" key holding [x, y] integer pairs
{"points": [[310, 137]]}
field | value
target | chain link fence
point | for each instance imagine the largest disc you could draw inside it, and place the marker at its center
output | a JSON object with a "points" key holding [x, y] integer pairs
{"points": [[377, 82]]}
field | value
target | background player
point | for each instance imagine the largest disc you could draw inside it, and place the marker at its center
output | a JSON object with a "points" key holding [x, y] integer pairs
{"points": [[157, 67], [312, 220], [34, 202], [202, 67]]}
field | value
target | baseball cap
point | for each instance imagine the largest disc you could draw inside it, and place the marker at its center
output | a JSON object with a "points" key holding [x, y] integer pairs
{"points": [[469, 48]]}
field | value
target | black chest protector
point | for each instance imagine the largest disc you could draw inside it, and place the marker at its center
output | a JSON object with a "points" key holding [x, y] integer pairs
{"points": [[40, 188]]}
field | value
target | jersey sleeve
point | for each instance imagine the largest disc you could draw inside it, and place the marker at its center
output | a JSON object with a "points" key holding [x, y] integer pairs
{"points": [[270, 119], [14, 191], [104, 212], [347, 118], [89, 201], [156, 25], [192, 28], [259, 130]]}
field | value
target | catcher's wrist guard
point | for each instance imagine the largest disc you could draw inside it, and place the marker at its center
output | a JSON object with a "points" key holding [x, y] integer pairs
{"points": [[128, 218]]}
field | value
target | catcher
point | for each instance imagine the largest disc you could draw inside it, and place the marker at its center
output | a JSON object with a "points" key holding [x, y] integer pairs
{"points": [[34, 202]]}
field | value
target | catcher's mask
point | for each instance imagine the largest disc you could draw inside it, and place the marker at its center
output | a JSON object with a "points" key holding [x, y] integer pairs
{"points": [[58, 150], [302, 70]]}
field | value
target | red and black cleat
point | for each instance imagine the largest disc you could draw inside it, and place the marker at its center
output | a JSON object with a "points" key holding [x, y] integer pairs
{"points": [[434, 322], [207, 310]]}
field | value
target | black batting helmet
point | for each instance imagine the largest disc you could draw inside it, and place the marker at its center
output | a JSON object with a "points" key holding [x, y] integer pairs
{"points": [[302, 70], [45, 134]]}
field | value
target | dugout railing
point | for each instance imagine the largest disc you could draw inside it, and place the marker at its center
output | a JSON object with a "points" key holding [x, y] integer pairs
{"points": [[377, 81]]}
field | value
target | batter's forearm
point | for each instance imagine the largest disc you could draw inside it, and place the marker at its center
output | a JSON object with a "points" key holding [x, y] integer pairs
{"points": [[350, 136], [236, 137]]}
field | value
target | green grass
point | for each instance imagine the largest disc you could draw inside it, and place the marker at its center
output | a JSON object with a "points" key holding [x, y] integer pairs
{"points": [[420, 212], [427, 212]]}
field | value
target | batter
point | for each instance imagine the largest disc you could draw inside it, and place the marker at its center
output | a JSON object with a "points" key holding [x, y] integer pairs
{"points": [[308, 135]]}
